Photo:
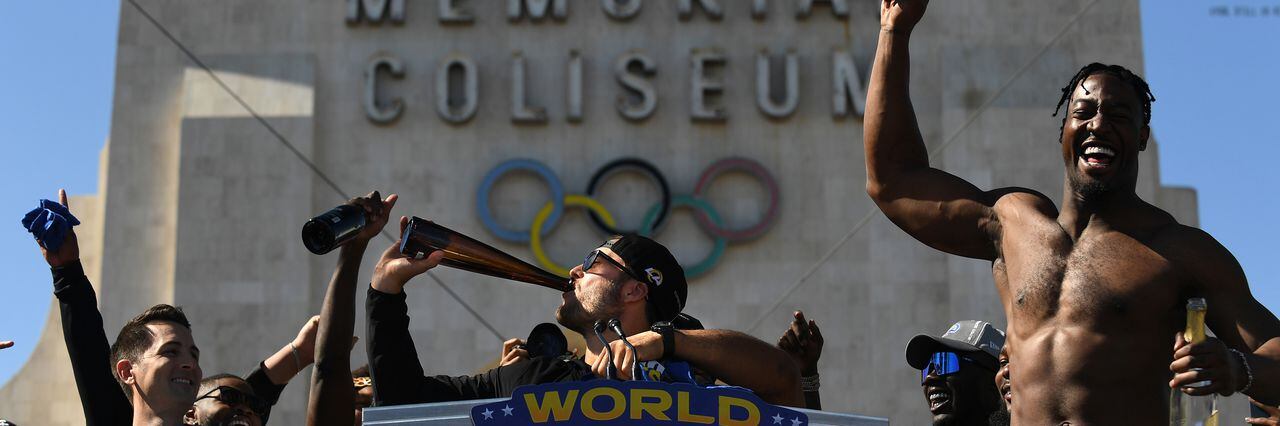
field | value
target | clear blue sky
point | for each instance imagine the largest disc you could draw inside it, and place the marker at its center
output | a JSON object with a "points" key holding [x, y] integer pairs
{"points": [[1215, 77]]}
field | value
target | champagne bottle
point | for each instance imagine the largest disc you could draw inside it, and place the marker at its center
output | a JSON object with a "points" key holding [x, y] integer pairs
{"points": [[332, 229], [1186, 410], [422, 237]]}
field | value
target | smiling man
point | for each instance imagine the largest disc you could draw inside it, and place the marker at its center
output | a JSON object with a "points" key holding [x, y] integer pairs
{"points": [[153, 366], [154, 363], [226, 400], [957, 372], [158, 364], [1094, 292]]}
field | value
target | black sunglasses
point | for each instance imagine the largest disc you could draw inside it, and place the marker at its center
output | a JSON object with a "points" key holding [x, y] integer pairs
{"points": [[232, 396], [596, 254]]}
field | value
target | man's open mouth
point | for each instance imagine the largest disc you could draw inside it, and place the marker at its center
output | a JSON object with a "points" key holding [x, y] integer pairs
{"points": [[938, 399], [1097, 157]]}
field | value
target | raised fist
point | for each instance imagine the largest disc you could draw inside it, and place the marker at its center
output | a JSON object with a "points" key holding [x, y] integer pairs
{"points": [[901, 15]]}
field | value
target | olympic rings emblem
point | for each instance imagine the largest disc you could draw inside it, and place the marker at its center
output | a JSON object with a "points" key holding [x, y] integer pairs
{"points": [[705, 215]]}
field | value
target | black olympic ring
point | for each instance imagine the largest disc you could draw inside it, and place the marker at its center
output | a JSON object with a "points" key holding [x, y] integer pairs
{"points": [[629, 163]]}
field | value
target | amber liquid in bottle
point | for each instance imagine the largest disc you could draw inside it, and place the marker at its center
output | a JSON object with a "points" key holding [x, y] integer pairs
{"points": [[422, 237], [1186, 410]]}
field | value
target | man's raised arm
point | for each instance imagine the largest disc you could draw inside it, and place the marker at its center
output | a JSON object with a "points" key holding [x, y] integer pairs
{"points": [[935, 207], [332, 397], [101, 397]]}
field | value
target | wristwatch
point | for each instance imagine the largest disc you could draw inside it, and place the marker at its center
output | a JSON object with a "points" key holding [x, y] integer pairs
{"points": [[668, 333]]}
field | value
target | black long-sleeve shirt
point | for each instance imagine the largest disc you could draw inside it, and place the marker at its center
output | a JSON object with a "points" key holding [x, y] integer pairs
{"points": [[397, 373], [103, 400]]}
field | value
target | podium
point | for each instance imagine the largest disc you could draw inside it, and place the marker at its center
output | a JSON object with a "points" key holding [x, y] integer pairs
{"points": [[459, 413]]}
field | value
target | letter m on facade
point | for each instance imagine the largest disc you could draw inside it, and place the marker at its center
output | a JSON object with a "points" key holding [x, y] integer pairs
{"points": [[537, 9], [375, 11]]}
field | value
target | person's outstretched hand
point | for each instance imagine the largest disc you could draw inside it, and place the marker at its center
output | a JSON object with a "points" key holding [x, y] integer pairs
{"points": [[803, 341], [69, 252]]}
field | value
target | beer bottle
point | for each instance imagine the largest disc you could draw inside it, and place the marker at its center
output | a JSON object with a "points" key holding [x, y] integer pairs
{"points": [[1186, 410], [422, 237], [332, 229]]}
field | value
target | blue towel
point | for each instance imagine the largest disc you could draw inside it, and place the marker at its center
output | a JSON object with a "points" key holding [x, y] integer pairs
{"points": [[49, 223]]}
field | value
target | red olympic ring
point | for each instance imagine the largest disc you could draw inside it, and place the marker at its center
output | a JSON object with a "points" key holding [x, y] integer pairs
{"points": [[752, 168]]}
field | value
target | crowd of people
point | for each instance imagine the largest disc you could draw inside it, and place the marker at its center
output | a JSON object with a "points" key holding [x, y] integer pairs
{"points": [[156, 376], [1092, 292]]}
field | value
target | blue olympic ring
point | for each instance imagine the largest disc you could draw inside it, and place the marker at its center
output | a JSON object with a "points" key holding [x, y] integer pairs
{"points": [[482, 198], [705, 215]]}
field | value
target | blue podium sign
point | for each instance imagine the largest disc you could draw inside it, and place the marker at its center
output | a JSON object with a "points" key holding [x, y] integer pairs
{"points": [[609, 402]]}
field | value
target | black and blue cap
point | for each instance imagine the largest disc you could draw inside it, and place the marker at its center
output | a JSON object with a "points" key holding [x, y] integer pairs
{"points": [[654, 265], [979, 340]]}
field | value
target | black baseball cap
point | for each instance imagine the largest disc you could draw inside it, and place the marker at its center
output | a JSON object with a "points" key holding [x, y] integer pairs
{"points": [[653, 265], [978, 339]]}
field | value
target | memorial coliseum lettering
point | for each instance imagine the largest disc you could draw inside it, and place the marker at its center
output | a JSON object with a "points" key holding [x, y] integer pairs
{"points": [[452, 79]]}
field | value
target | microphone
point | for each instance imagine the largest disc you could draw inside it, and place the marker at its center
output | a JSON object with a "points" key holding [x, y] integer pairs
{"points": [[636, 371], [609, 369]]}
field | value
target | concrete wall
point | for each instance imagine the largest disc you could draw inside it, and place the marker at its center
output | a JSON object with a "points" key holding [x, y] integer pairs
{"points": [[203, 206]]}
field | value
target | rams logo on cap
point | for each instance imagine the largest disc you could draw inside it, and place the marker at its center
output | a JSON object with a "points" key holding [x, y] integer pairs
{"points": [[655, 276]]}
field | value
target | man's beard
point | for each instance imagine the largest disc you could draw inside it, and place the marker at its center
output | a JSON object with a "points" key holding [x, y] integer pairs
{"points": [[1090, 190], [1000, 418], [574, 316]]}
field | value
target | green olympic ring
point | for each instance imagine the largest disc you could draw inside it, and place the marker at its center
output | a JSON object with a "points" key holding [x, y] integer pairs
{"points": [[705, 265]]}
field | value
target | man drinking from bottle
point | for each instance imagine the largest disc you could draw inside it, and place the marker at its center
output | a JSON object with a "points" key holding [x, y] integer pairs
{"points": [[629, 278]]}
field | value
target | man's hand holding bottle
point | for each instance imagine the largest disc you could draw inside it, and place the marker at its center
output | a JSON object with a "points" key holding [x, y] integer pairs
{"points": [[395, 269]]}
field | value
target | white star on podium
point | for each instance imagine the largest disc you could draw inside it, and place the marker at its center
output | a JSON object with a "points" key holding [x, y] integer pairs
{"points": [[777, 419], [506, 410], [488, 414], [795, 421]]}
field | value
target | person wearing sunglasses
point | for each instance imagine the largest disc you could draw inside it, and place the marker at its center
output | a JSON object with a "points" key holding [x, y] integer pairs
{"points": [[227, 400], [957, 372], [629, 278]]}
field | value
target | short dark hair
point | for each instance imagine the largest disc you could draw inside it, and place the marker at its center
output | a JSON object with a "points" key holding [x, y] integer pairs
{"points": [[208, 383], [1137, 83], [135, 337]]}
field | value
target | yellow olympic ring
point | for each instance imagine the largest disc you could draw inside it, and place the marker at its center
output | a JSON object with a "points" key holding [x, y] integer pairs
{"points": [[535, 237]]}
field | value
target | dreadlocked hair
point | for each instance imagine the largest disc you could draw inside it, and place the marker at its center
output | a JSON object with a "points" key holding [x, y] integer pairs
{"points": [[1137, 83]]}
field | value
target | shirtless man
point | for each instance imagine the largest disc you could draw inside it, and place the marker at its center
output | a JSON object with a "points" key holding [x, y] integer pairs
{"points": [[1095, 292]]}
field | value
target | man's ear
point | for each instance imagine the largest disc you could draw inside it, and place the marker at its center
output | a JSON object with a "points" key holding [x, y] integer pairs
{"points": [[124, 371], [635, 291], [1142, 143]]}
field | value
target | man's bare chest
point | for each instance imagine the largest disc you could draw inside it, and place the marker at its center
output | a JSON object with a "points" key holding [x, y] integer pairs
{"points": [[1099, 277]]}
